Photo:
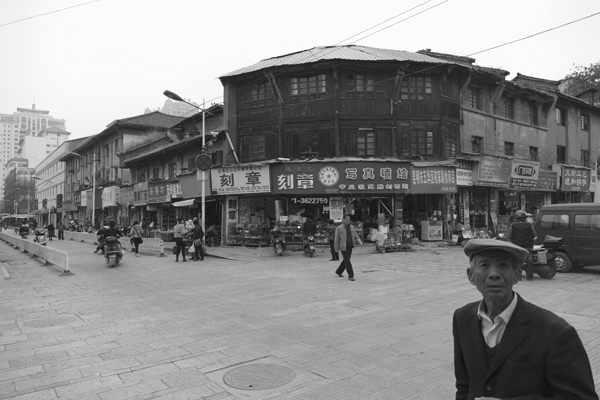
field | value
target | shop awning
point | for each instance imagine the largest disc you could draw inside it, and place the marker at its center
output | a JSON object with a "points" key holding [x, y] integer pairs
{"points": [[184, 203]]}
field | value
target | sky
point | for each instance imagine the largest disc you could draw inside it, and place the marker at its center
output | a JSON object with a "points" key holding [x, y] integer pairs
{"points": [[91, 62]]}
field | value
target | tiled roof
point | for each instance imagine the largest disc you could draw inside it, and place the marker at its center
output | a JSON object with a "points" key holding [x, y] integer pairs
{"points": [[348, 52], [154, 119]]}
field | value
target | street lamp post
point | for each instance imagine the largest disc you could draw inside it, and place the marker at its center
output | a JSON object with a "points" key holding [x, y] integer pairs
{"points": [[174, 96], [93, 187]]}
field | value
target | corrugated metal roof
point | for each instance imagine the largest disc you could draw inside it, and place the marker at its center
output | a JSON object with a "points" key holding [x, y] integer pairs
{"points": [[348, 52]]}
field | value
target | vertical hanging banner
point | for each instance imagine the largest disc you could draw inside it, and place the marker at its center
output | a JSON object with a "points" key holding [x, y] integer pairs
{"points": [[336, 208]]}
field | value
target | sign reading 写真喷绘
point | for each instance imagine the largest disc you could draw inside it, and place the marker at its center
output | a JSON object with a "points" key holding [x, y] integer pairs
{"points": [[241, 179], [314, 178], [575, 179]]}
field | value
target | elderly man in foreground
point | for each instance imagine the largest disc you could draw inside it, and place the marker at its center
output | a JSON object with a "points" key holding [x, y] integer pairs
{"points": [[506, 348]]}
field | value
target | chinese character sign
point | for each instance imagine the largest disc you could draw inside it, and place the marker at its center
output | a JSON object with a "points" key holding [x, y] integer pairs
{"points": [[340, 177], [575, 179], [242, 179], [232, 209], [433, 180], [524, 174], [493, 171]]}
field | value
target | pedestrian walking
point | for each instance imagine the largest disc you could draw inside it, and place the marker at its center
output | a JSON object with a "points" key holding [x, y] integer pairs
{"points": [[335, 256], [197, 236], [135, 233], [522, 233], [179, 233], [61, 230], [508, 348], [50, 229], [345, 237]]}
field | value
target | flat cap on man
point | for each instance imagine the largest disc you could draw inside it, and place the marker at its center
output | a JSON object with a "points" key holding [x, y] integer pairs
{"points": [[475, 246]]}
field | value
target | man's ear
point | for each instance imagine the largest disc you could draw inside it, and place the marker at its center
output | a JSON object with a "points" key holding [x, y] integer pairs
{"points": [[470, 275], [518, 272]]}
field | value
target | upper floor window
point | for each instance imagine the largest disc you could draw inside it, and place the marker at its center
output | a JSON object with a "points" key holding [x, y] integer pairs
{"points": [[191, 165], [365, 143], [561, 154], [416, 88], [509, 148], [217, 157], [362, 86], [156, 173], [585, 122], [533, 153], [585, 158], [509, 108], [561, 116], [257, 95], [476, 97], [172, 170], [257, 147], [421, 143], [308, 88], [533, 113], [477, 144]]}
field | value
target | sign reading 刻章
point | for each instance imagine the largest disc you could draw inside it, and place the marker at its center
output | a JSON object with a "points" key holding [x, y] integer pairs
{"points": [[312, 178], [241, 179]]}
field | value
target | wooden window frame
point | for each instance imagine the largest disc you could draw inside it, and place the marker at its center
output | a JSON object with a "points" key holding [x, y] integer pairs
{"points": [[509, 108], [257, 95], [308, 87], [561, 154], [509, 148], [476, 97], [533, 113], [421, 142], [366, 145], [419, 87], [561, 116], [257, 148], [534, 153], [477, 144], [584, 122], [585, 158], [362, 86], [172, 170]]}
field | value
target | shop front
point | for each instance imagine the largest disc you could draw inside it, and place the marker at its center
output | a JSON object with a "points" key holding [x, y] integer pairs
{"points": [[109, 203], [125, 203], [191, 205], [161, 216], [367, 190], [479, 204], [248, 206], [140, 201]]}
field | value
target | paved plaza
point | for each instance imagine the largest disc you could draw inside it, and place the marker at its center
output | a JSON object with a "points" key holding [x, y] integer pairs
{"points": [[249, 325]]}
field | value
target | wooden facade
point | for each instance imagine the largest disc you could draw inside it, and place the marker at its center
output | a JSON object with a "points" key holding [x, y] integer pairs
{"points": [[369, 109]]}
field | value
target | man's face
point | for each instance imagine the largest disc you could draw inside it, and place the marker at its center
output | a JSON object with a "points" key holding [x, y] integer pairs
{"points": [[494, 273], [346, 220]]}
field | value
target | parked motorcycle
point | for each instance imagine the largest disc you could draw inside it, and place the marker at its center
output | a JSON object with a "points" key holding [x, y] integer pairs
{"points": [[277, 241], [543, 257], [40, 237], [113, 252], [308, 245]]}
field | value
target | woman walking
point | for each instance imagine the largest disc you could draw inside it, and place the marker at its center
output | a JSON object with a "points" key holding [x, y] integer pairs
{"points": [[180, 232], [135, 233], [50, 228], [197, 236]]}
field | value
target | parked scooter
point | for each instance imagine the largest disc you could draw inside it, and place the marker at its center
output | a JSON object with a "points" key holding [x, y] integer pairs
{"points": [[543, 257], [113, 252], [308, 245], [40, 237], [24, 231], [277, 241]]}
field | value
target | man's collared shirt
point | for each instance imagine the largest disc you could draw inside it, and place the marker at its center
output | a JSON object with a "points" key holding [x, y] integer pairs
{"points": [[493, 331]]}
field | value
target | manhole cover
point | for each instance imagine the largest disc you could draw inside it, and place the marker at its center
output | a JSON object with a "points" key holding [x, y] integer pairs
{"points": [[48, 322], [259, 376]]}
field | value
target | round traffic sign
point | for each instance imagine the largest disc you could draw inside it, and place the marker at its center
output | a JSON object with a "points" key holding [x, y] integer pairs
{"points": [[203, 162]]}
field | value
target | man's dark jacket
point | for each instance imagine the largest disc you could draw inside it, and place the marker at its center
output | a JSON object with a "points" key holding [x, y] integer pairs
{"points": [[539, 357], [309, 227], [522, 234]]}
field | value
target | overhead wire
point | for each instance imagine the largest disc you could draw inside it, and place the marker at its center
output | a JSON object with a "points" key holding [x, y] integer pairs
{"points": [[48, 13]]}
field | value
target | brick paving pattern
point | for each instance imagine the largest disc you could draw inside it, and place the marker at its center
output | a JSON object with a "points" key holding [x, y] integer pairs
{"points": [[155, 329]]}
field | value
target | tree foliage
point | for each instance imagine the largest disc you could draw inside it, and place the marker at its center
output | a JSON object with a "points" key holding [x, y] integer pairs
{"points": [[581, 78]]}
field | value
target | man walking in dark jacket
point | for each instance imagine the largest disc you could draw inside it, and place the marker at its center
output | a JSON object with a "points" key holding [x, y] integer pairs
{"points": [[523, 234]]}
